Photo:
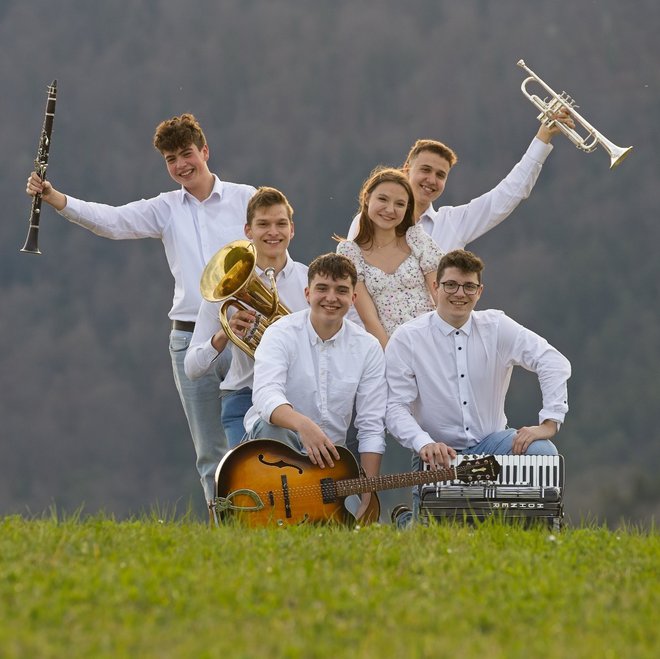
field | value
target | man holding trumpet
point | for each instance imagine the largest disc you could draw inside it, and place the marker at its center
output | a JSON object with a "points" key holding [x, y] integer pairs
{"points": [[427, 167]]}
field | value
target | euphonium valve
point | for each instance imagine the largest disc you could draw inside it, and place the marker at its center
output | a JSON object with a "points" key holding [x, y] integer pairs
{"points": [[230, 277], [553, 103]]}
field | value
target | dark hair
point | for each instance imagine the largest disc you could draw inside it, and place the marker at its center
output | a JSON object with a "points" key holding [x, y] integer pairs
{"points": [[433, 146], [332, 265], [178, 133], [266, 197], [365, 234], [461, 259]]}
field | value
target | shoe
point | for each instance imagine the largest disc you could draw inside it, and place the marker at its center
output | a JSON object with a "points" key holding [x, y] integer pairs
{"points": [[401, 516]]}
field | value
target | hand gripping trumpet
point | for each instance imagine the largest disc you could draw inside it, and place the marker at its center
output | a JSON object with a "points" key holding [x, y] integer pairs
{"points": [[549, 105], [230, 277]]}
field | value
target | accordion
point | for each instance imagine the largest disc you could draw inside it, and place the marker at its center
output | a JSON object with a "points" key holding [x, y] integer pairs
{"points": [[529, 488]]}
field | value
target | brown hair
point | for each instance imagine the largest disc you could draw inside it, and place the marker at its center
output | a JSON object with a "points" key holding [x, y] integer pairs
{"points": [[365, 234], [178, 133], [266, 197], [461, 259], [332, 265], [433, 146]]}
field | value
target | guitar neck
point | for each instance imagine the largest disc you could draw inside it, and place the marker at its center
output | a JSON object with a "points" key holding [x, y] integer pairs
{"points": [[393, 481]]}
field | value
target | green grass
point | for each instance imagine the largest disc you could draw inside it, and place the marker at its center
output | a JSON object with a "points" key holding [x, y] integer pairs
{"points": [[146, 588]]}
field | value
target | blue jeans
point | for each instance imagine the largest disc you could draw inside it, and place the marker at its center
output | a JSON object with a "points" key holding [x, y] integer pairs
{"points": [[497, 443], [201, 404], [264, 430], [235, 405]]}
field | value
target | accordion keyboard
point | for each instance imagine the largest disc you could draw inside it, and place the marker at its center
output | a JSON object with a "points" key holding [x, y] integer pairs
{"points": [[528, 487]]}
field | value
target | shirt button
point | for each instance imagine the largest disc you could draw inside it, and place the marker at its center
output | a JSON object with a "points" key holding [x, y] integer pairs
{"points": [[459, 347], [462, 375], [464, 402]]}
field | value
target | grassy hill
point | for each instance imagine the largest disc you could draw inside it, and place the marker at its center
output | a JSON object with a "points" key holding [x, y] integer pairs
{"points": [[176, 588]]}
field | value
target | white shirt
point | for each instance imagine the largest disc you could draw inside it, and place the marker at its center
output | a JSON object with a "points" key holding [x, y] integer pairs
{"points": [[191, 231], [452, 227], [322, 379], [449, 385], [291, 282]]}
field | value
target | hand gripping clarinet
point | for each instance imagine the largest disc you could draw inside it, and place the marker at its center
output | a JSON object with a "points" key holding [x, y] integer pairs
{"points": [[40, 164]]}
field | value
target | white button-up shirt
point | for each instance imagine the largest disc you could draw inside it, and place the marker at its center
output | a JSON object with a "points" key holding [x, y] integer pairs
{"points": [[453, 227], [192, 231], [291, 282], [449, 385], [322, 379]]}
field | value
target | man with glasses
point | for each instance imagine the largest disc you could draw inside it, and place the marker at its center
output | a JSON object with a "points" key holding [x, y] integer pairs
{"points": [[448, 372]]}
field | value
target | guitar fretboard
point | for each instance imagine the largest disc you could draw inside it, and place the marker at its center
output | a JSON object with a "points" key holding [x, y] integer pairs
{"points": [[392, 481]]}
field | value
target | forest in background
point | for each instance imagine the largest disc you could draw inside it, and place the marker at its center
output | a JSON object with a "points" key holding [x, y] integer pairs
{"points": [[309, 97]]}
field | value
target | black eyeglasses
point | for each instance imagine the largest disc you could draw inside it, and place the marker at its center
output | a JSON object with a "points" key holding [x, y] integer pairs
{"points": [[452, 286]]}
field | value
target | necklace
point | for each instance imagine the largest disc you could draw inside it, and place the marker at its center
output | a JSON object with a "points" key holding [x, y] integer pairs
{"points": [[385, 244]]}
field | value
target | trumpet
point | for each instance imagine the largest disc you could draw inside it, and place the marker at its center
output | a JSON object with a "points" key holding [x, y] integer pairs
{"points": [[548, 106], [230, 277]]}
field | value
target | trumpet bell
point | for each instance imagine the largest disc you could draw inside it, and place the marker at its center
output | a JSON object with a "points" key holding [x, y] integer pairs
{"points": [[617, 154]]}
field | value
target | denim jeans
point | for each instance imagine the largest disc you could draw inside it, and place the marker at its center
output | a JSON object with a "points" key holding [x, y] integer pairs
{"points": [[497, 443], [264, 430], [201, 404], [235, 405]]}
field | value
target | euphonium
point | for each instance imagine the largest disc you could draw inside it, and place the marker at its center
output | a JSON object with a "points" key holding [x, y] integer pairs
{"points": [[549, 106], [230, 277]]}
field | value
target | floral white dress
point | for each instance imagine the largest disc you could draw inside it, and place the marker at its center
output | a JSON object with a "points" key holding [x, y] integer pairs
{"points": [[402, 295]]}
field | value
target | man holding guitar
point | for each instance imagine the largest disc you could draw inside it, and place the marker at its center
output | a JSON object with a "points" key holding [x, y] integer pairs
{"points": [[312, 366]]}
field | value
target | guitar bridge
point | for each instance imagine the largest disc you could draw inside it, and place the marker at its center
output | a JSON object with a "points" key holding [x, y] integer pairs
{"points": [[328, 490]]}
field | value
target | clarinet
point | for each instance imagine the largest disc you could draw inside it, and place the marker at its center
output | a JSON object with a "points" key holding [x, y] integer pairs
{"points": [[40, 164]]}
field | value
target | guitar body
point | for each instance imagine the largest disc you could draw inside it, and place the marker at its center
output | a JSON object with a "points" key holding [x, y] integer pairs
{"points": [[265, 482]]}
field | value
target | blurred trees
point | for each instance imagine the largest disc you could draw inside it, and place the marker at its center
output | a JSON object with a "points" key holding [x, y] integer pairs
{"points": [[309, 97]]}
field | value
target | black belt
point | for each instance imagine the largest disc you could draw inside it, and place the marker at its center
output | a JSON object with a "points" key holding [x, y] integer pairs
{"points": [[183, 325]]}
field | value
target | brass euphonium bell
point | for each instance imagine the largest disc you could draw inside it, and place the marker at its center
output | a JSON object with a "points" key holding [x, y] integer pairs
{"points": [[230, 277]]}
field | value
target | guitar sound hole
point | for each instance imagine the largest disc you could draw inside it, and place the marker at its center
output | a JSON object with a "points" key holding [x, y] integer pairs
{"points": [[280, 464]]}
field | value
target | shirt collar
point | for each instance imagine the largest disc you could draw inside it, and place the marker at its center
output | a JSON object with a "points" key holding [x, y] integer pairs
{"points": [[217, 191], [315, 339], [428, 214], [286, 271], [446, 329]]}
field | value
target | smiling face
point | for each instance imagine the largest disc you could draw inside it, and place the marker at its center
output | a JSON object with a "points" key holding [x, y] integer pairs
{"points": [[329, 300], [271, 231], [427, 174], [188, 166], [386, 206], [455, 308]]}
